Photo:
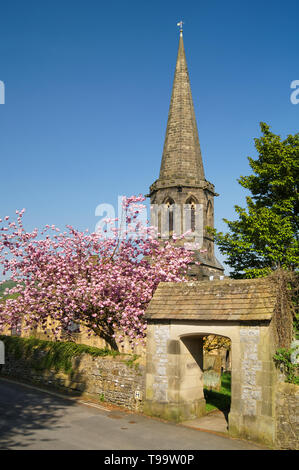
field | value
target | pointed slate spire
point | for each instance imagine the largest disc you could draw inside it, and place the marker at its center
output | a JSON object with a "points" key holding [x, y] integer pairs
{"points": [[181, 154]]}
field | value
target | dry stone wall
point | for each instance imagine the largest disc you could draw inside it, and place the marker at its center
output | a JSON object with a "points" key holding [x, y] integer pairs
{"points": [[287, 419], [111, 379]]}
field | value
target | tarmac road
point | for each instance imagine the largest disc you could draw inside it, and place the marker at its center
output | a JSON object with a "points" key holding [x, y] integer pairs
{"points": [[32, 419]]}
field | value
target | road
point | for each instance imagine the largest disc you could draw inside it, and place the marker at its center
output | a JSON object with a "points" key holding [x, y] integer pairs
{"points": [[32, 419]]}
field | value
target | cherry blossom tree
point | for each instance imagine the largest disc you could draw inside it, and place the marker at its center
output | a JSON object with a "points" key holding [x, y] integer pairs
{"points": [[103, 283]]}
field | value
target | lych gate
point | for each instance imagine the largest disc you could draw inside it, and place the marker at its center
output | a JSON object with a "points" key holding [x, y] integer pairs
{"points": [[179, 316]]}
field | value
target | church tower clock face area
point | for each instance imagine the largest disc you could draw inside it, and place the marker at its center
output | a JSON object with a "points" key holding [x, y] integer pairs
{"points": [[182, 192]]}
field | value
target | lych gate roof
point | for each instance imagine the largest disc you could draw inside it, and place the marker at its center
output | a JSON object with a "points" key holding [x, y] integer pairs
{"points": [[248, 299]]}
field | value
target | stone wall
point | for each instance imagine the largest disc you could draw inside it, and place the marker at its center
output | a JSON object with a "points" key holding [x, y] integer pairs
{"points": [[287, 419], [111, 379]]}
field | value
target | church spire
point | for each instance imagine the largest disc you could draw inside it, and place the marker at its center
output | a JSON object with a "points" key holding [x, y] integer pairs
{"points": [[182, 184], [181, 153]]}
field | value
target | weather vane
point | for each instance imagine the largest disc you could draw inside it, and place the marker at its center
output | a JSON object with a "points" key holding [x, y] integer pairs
{"points": [[180, 24]]}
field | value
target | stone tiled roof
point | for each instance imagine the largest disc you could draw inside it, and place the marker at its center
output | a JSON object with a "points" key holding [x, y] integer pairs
{"points": [[249, 299]]}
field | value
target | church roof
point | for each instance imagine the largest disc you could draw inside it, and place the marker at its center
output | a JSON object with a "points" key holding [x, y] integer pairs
{"points": [[215, 263], [181, 153]]}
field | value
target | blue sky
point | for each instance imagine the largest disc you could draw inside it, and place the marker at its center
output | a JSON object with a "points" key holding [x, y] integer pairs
{"points": [[87, 92]]}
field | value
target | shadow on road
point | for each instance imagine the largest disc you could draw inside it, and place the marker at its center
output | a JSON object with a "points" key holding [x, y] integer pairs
{"points": [[23, 412]]}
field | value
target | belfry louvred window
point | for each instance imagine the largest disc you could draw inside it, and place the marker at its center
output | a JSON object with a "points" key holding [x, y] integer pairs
{"points": [[169, 203]]}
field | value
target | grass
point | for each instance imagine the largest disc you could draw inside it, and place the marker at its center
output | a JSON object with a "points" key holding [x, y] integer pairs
{"points": [[6, 285], [219, 400]]}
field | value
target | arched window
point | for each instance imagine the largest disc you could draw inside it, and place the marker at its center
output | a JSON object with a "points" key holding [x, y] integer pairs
{"points": [[209, 213], [159, 223], [192, 202], [169, 204]]}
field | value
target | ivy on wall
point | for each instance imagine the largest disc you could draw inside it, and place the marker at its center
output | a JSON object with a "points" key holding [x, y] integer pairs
{"points": [[46, 355], [282, 358], [286, 320]]}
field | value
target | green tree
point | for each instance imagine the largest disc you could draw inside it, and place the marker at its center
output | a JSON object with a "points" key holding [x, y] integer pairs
{"points": [[265, 236]]}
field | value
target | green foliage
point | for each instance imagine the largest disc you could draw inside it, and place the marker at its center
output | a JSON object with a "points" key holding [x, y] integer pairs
{"points": [[282, 358], [45, 355], [296, 326], [265, 236], [7, 285], [219, 400], [130, 362]]}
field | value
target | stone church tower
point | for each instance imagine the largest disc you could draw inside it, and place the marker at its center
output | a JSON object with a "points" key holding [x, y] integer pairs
{"points": [[181, 184]]}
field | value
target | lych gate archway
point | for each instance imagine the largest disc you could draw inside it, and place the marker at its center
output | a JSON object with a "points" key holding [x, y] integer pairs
{"points": [[179, 316], [203, 369]]}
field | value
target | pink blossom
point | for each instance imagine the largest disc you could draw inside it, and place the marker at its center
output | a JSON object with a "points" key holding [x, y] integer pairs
{"points": [[102, 283]]}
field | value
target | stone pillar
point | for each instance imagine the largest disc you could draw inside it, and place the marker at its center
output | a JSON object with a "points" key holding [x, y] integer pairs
{"points": [[174, 376], [191, 394], [252, 412]]}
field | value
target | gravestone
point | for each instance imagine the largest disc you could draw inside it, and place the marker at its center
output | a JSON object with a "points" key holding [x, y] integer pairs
{"points": [[212, 371]]}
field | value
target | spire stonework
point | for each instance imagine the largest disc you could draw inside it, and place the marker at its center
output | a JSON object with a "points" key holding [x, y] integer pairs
{"points": [[182, 179], [181, 153]]}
